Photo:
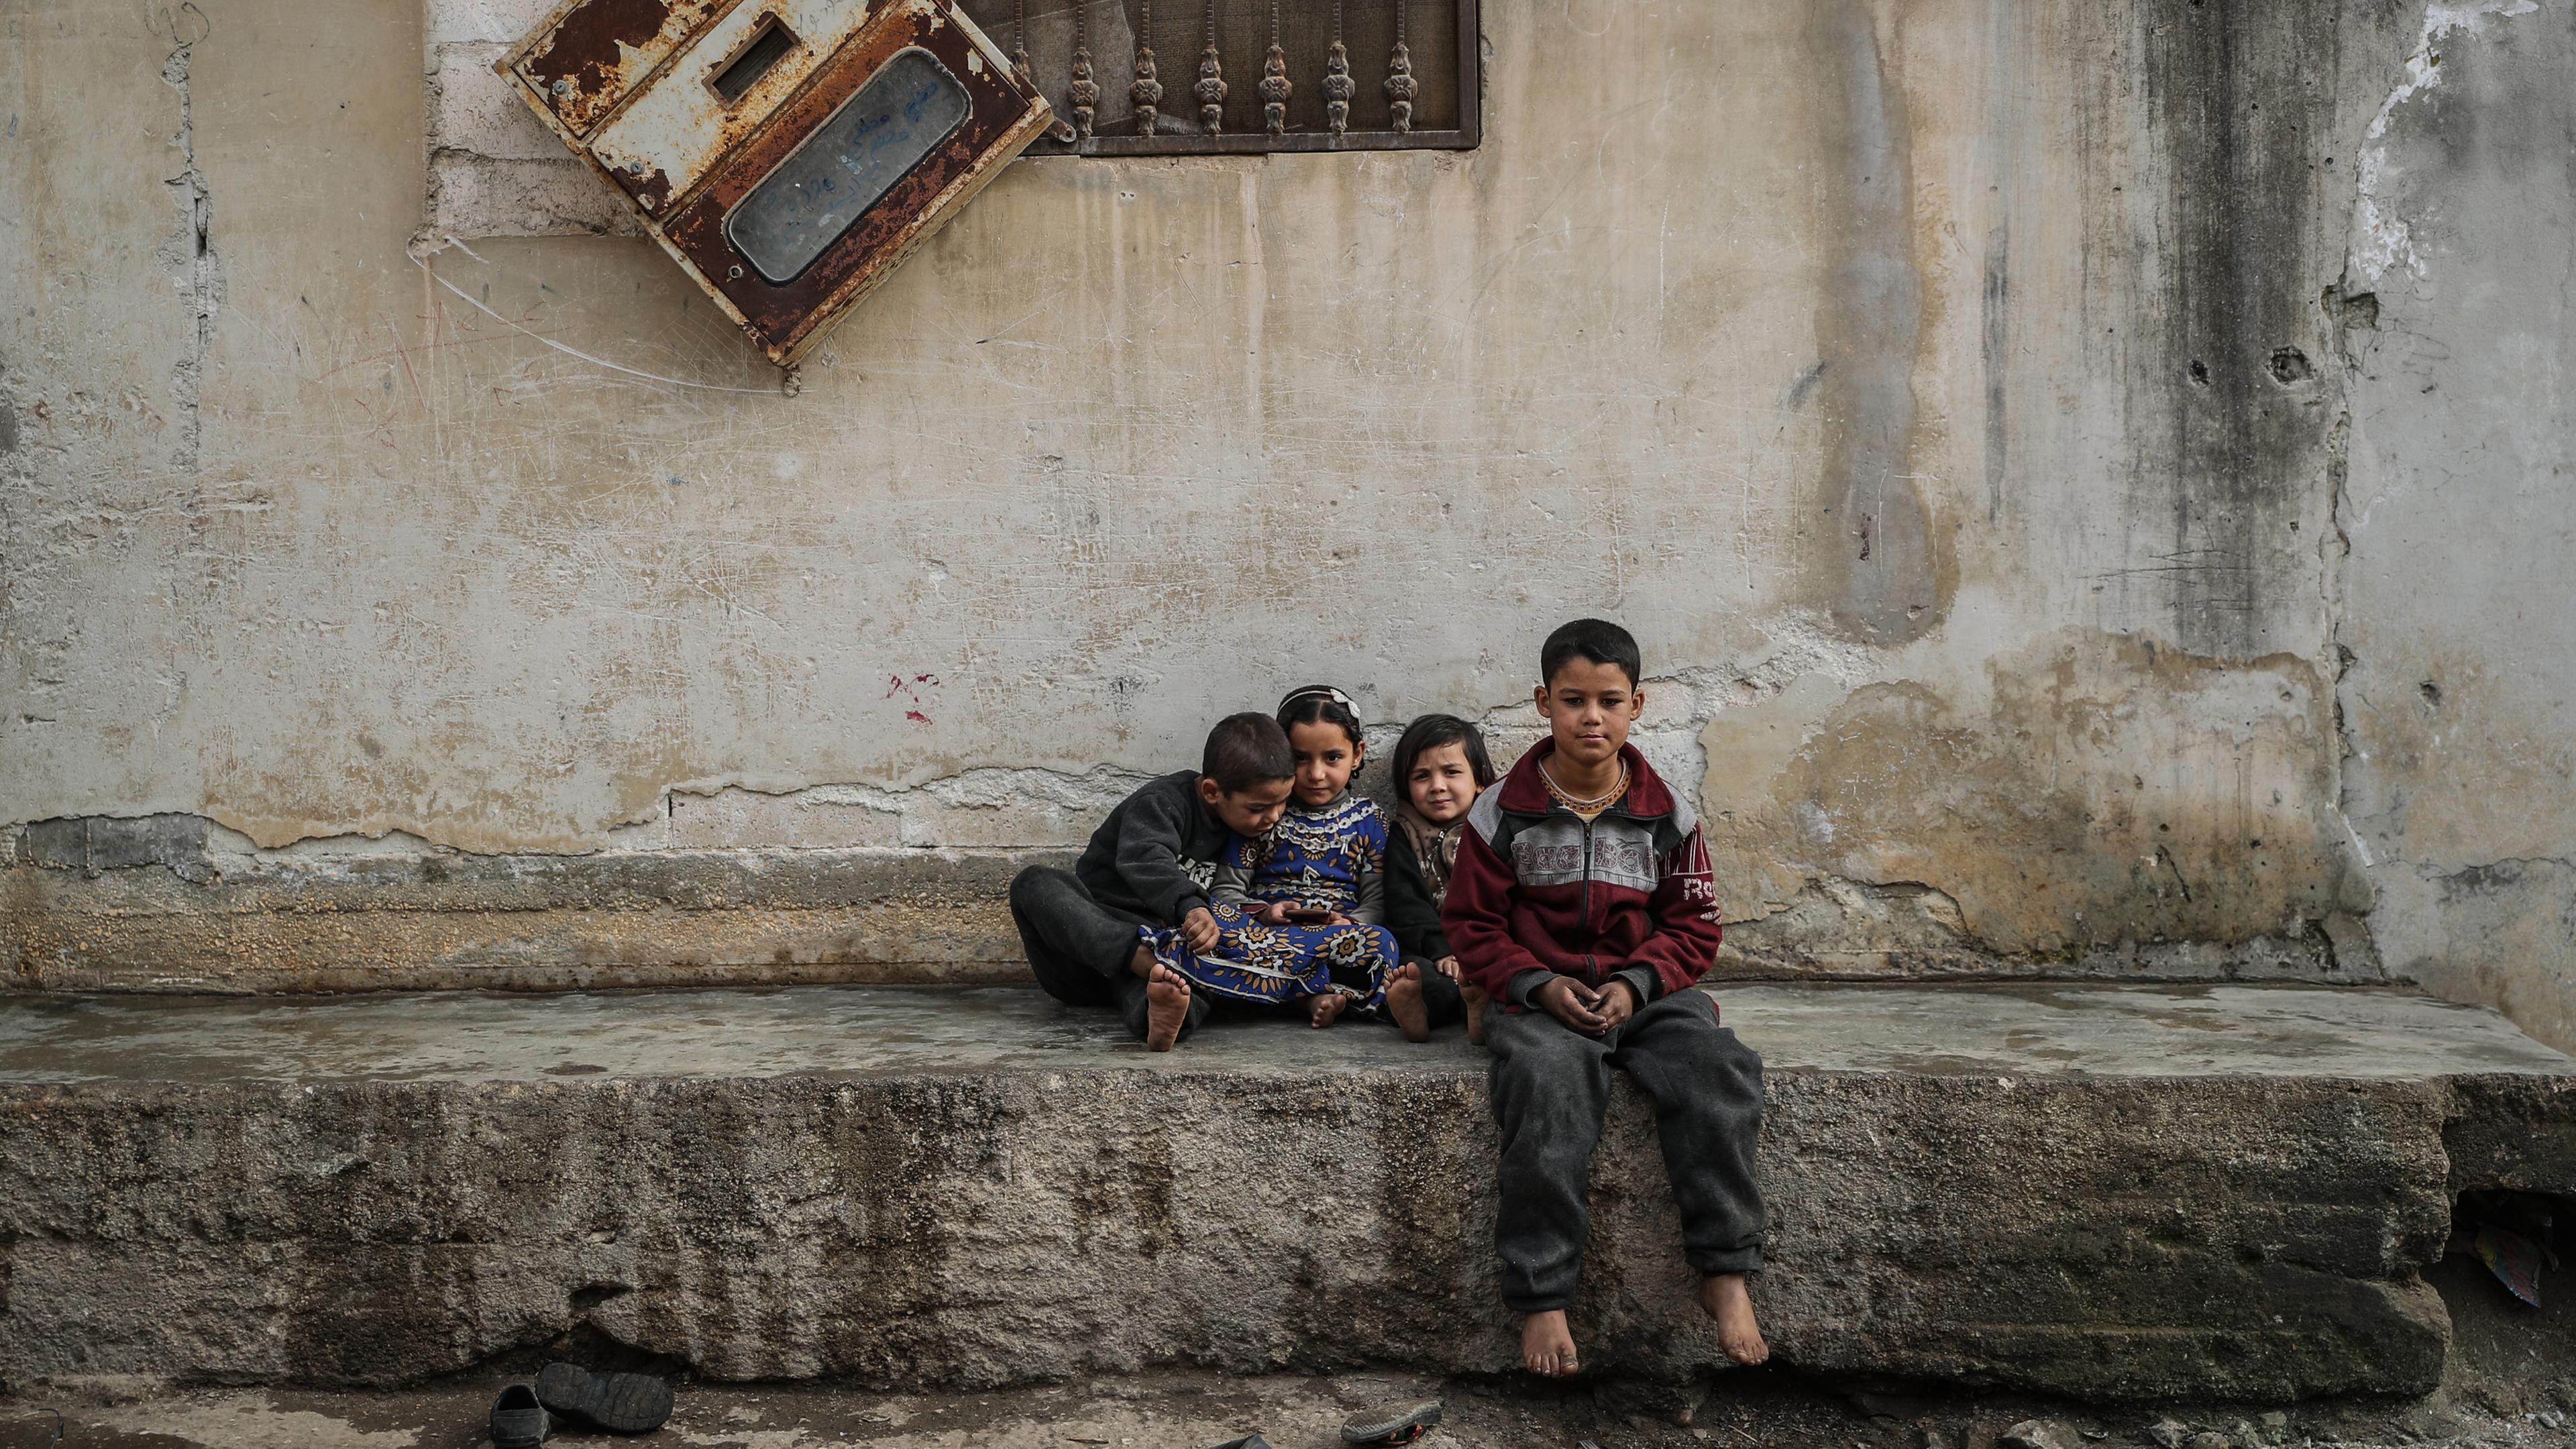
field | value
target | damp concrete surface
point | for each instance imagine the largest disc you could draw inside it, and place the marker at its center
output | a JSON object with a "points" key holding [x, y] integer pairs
{"points": [[2076, 1030]]}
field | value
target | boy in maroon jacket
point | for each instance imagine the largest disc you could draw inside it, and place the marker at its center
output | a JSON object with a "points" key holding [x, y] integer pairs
{"points": [[1582, 903]]}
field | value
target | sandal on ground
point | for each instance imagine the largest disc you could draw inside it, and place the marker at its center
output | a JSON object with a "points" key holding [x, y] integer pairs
{"points": [[518, 1420], [1248, 1441], [1404, 1428], [618, 1403]]}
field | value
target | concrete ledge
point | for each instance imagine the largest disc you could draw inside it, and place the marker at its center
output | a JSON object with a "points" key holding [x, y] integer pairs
{"points": [[513, 923], [152, 904], [2104, 1192]]}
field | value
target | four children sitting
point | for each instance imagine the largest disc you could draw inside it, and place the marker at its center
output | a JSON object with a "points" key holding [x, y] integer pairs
{"points": [[1564, 912]]}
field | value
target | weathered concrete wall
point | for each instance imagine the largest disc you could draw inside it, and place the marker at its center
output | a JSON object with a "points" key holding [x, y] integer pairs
{"points": [[2458, 639], [1941, 389]]}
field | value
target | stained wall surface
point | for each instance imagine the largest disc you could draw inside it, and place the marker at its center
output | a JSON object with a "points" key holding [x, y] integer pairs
{"points": [[1965, 400], [2460, 646]]}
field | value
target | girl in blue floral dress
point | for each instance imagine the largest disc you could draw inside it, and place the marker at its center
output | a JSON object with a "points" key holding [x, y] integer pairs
{"points": [[1300, 910]]}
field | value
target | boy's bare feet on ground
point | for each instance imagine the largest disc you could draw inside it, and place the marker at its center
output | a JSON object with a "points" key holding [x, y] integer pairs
{"points": [[1326, 1008], [1723, 1296], [1547, 1345], [1404, 1003], [1167, 1006]]}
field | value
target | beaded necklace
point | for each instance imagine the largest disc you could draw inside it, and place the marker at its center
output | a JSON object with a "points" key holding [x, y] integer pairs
{"points": [[1593, 805]]}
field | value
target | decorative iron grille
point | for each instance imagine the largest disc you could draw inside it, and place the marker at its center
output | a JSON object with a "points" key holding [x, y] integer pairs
{"points": [[1201, 77]]}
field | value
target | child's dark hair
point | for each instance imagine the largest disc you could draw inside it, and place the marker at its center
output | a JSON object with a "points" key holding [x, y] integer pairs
{"points": [[1598, 640], [1245, 750], [1429, 733], [1322, 702]]}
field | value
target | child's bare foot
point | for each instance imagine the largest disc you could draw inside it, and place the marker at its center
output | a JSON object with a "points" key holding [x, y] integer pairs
{"points": [[1142, 963], [1404, 1003], [1475, 998], [1547, 1345], [1725, 1300], [1325, 1009], [1167, 1006]]}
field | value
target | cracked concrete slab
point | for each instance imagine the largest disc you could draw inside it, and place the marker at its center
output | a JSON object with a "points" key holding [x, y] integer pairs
{"points": [[2017, 1031], [2105, 1194]]}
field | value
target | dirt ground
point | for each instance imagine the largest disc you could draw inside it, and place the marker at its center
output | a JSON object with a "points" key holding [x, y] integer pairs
{"points": [[2512, 1386]]}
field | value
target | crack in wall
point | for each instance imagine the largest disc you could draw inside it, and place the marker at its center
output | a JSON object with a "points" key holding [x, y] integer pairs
{"points": [[190, 256]]}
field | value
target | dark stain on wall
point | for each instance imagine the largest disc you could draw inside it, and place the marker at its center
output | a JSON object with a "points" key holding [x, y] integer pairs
{"points": [[1994, 349], [1876, 549], [2239, 101], [103, 842]]}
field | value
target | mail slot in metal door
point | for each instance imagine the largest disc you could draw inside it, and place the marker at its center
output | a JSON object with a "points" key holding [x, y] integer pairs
{"points": [[788, 153]]}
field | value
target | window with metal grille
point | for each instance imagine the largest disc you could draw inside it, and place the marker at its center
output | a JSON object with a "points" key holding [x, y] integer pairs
{"points": [[1196, 77]]}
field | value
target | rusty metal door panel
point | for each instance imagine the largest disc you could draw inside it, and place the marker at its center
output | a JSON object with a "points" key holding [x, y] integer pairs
{"points": [[592, 54], [667, 139], [790, 153], [908, 107], [954, 170]]}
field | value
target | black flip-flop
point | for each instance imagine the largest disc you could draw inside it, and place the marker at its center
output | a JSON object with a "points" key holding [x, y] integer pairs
{"points": [[618, 1403], [1404, 1428], [518, 1420], [1248, 1441]]}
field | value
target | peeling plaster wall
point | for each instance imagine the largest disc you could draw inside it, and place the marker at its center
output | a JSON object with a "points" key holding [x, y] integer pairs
{"points": [[2459, 646], [1940, 389]]}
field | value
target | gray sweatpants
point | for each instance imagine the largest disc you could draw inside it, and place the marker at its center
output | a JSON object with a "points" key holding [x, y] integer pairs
{"points": [[1550, 1085], [1079, 949]]}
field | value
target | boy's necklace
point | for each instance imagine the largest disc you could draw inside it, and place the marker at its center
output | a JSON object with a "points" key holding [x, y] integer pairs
{"points": [[1581, 805]]}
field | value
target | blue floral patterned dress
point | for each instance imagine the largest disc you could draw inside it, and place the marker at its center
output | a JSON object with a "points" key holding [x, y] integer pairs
{"points": [[1333, 856]]}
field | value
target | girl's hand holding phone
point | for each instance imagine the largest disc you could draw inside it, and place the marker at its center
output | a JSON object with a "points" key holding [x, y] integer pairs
{"points": [[1285, 913]]}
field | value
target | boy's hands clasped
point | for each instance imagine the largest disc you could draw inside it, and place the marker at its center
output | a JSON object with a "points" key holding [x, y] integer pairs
{"points": [[1593, 1011]]}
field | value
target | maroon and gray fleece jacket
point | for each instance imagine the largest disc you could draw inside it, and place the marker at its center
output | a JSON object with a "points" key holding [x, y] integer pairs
{"points": [[1536, 890]]}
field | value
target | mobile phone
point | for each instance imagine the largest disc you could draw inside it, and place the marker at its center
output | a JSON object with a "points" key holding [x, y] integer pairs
{"points": [[1307, 915]]}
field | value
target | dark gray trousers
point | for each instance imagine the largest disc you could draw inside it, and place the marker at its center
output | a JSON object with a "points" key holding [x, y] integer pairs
{"points": [[1550, 1085], [1079, 949]]}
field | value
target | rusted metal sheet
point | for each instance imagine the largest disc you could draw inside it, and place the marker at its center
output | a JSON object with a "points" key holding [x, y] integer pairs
{"points": [[790, 153], [682, 128], [591, 54]]}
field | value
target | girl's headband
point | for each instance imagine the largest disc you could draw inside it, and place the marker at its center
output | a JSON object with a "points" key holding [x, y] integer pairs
{"points": [[1326, 690]]}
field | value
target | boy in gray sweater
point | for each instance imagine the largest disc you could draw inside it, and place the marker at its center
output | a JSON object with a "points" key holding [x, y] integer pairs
{"points": [[1080, 927]]}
